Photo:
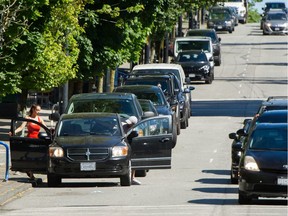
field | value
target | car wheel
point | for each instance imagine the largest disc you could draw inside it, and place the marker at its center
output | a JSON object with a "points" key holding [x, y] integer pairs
{"points": [[217, 63], [140, 173], [243, 199], [178, 128], [53, 180], [209, 80], [230, 31], [183, 124], [125, 180]]}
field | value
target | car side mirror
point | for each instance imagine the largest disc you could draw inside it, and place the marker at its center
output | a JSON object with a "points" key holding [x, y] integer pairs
{"points": [[132, 135], [237, 146], [233, 136], [43, 136], [241, 132], [211, 59], [148, 114], [191, 88]]}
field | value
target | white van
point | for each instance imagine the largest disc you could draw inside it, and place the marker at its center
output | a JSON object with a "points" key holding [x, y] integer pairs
{"points": [[194, 43]]}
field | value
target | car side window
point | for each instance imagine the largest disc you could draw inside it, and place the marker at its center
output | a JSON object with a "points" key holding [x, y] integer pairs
{"points": [[153, 127]]}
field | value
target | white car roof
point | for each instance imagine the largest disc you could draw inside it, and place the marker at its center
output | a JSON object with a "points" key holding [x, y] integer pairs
{"points": [[158, 66]]}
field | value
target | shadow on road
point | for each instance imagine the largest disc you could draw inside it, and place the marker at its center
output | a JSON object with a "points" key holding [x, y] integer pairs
{"points": [[234, 108]]}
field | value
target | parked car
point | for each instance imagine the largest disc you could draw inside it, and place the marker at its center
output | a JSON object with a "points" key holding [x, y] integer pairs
{"points": [[156, 95], [216, 41], [273, 103], [275, 22], [93, 145], [221, 19], [194, 43], [263, 164], [196, 66]]}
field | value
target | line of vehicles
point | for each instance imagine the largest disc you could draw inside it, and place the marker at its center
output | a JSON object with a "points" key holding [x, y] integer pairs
{"points": [[259, 160], [89, 141]]}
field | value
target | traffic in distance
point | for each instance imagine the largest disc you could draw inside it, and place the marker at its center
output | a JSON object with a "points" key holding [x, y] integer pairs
{"points": [[149, 143]]}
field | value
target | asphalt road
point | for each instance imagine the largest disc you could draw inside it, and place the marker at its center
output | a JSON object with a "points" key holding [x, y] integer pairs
{"points": [[253, 68]]}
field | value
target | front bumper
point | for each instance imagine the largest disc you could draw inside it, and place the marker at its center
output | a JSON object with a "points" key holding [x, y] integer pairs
{"points": [[65, 168], [263, 184], [274, 30]]}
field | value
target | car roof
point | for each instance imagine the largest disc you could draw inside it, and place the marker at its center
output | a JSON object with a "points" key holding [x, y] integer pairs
{"points": [[112, 95], [87, 115], [192, 51], [275, 102], [276, 11], [162, 76], [195, 38], [140, 88], [271, 125], [157, 66]]}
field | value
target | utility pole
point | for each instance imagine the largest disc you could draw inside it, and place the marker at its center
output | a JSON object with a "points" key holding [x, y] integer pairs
{"points": [[180, 34]]}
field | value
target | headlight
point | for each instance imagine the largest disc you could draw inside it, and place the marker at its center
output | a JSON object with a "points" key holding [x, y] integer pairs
{"points": [[250, 164], [118, 151], [228, 22], [205, 68], [56, 152], [268, 24]]}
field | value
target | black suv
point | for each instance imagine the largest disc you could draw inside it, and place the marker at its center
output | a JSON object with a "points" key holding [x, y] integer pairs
{"points": [[216, 41], [196, 66]]}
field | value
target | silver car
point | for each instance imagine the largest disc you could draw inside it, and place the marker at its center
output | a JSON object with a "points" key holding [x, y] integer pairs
{"points": [[275, 22]]}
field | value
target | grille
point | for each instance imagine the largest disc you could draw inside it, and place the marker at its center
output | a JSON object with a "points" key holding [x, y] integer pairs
{"points": [[189, 70], [279, 28], [87, 154]]}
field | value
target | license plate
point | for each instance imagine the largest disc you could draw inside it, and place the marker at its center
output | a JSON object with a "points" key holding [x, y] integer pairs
{"points": [[87, 166], [219, 27], [282, 181], [191, 75], [277, 29]]}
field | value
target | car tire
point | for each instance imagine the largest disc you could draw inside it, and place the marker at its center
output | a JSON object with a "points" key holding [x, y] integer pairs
{"points": [[209, 80], [243, 198], [178, 128], [230, 31], [125, 180], [183, 124], [174, 136], [53, 180]]}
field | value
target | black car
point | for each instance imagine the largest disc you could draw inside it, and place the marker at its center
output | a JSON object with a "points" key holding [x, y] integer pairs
{"points": [[216, 41], [221, 19], [263, 164], [93, 145], [196, 66], [166, 83], [156, 95]]}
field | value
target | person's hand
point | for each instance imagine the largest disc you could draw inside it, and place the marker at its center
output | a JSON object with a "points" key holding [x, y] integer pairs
{"points": [[10, 133]]}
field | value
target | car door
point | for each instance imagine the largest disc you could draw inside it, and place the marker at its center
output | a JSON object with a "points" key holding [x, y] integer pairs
{"points": [[152, 148], [29, 154]]}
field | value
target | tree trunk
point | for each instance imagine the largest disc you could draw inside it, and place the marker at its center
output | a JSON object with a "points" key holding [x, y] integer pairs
{"points": [[112, 80], [100, 84]]}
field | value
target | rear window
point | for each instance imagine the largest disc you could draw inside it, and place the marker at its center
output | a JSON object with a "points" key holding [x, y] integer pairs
{"points": [[204, 33], [163, 84]]}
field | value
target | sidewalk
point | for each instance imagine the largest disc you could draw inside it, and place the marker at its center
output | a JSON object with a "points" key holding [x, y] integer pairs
{"points": [[18, 183]]}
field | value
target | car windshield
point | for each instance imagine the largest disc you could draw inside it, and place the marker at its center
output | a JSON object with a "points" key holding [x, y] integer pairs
{"points": [[277, 16], [281, 118], [269, 139], [160, 83], [154, 97], [121, 106], [191, 57], [156, 71], [203, 33], [101, 126], [275, 5], [193, 45], [219, 15]]}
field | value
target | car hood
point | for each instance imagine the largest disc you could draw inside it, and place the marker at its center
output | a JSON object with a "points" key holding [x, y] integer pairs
{"points": [[277, 22], [192, 64], [270, 160], [99, 141]]}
